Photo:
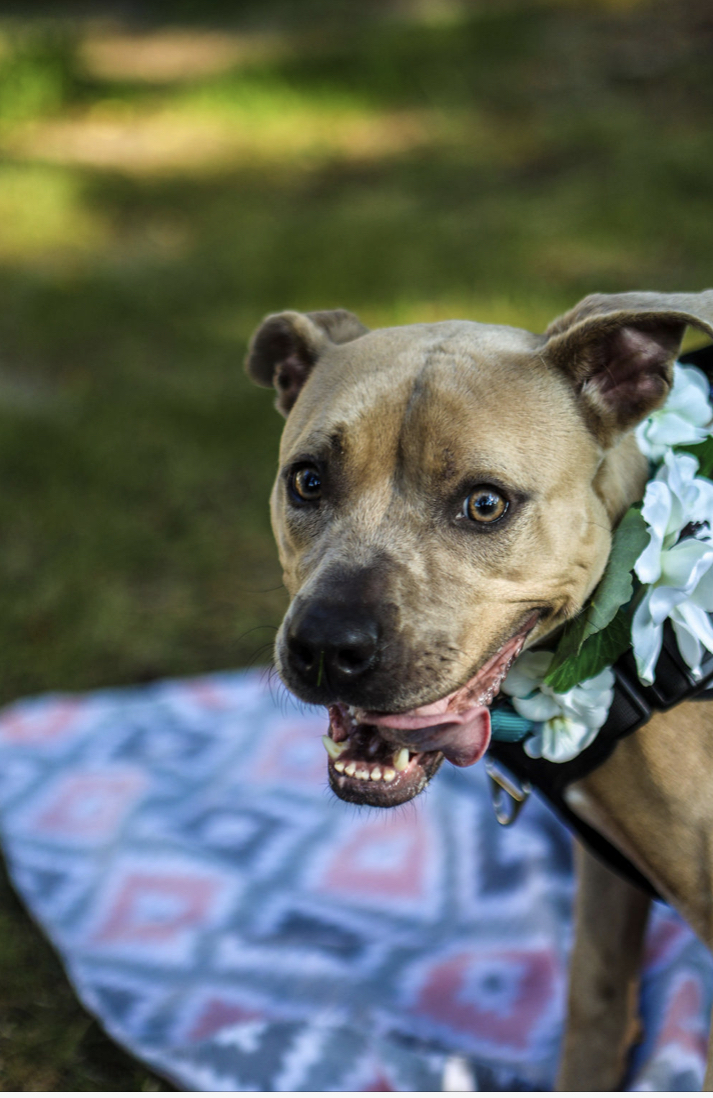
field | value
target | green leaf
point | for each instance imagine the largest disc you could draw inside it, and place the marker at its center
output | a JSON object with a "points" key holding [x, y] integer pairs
{"points": [[616, 586], [704, 452], [597, 652], [613, 591]]}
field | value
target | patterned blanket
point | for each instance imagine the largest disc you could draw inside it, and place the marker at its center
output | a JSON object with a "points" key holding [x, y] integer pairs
{"points": [[238, 928]]}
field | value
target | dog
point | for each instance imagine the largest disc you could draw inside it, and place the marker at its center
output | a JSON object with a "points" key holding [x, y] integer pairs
{"points": [[446, 498]]}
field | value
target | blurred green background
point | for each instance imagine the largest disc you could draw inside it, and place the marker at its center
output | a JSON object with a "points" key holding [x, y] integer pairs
{"points": [[170, 173]]}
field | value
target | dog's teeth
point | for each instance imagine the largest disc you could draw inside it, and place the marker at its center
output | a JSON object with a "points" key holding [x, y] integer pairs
{"points": [[376, 774], [333, 749], [401, 759], [339, 766], [389, 774], [363, 775], [350, 769]]}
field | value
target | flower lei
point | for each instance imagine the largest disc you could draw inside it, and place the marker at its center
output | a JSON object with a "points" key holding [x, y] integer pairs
{"points": [[660, 567]]}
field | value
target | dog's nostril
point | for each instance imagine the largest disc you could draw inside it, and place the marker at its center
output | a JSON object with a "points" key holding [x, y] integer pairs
{"points": [[354, 659], [303, 654]]}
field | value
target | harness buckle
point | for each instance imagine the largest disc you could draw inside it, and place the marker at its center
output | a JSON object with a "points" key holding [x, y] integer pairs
{"points": [[508, 794]]}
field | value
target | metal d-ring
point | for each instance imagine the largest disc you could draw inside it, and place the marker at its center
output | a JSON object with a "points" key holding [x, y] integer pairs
{"points": [[502, 785]]}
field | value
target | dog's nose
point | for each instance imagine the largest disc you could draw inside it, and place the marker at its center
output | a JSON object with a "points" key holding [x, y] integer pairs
{"points": [[332, 647]]}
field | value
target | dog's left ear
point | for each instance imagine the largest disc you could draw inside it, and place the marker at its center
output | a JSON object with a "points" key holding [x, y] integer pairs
{"points": [[286, 346], [618, 350]]}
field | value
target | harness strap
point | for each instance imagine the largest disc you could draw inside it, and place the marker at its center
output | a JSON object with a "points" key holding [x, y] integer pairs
{"points": [[530, 770], [630, 710]]}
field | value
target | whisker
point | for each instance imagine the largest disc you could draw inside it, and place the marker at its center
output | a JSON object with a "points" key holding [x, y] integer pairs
{"points": [[254, 629], [258, 653]]}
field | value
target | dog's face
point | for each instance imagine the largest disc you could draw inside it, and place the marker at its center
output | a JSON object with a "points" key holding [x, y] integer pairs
{"points": [[446, 496]]}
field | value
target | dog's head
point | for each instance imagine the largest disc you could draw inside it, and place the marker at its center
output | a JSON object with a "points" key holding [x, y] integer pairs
{"points": [[446, 496]]}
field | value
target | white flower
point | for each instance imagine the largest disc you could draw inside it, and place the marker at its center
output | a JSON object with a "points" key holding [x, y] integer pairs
{"points": [[685, 417], [683, 593], [679, 572], [569, 721], [673, 499]]}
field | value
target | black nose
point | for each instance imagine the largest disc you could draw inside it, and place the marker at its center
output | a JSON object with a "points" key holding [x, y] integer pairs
{"points": [[332, 646]]}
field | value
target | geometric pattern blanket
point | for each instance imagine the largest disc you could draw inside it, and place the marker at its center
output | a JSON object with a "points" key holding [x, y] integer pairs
{"points": [[234, 925]]}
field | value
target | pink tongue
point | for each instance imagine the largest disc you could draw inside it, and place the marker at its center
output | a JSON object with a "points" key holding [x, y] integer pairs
{"points": [[462, 734], [462, 737]]}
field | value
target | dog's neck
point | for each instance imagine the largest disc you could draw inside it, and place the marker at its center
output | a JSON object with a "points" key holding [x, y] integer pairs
{"points": [[621, 478]]}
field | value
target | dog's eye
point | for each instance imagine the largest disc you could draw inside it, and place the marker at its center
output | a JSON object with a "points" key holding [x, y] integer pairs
{"points": [[485, 504], [305, 484]]}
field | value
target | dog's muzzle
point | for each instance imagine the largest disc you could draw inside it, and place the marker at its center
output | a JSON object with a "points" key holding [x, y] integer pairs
{"points": [[385, 759]]}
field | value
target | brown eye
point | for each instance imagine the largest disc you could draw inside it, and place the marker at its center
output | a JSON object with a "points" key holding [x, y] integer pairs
{"points": [[305, 484], [485, 504]]}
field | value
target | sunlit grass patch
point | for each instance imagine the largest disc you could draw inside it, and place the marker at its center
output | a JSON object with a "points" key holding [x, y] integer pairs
{"points": [[194, 142], [51, 223], [296, 99], [165, 55], [44, 214], [246, 119]]}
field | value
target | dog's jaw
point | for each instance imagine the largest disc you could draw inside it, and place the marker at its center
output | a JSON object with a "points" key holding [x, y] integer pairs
{"points": [[365, 768], [386, 759]]}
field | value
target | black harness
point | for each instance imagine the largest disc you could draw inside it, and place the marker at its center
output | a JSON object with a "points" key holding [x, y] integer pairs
{"points": [[632, 707]]}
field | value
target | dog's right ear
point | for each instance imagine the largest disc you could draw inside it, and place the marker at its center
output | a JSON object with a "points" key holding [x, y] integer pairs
{"points": [[286, 346]]}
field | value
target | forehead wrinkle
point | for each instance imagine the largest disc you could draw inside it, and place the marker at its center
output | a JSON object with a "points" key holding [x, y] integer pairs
{"points": [[418, 392], [462, 420], [363, 416]]}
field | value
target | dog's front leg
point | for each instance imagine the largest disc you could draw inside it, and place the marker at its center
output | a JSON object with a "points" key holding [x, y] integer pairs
{"points": [[602, 1022]]}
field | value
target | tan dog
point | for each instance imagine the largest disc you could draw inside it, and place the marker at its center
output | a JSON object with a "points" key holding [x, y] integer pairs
{"points": [[446, 495]]}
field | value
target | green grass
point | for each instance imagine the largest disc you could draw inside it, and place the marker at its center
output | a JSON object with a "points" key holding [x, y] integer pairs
{"points": [[496, 161]]}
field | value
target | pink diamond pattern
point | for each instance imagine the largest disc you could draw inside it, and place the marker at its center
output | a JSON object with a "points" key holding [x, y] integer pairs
{"points": [[339, 949], [386, 856], [89, 806], [158, 907], [20, 726]]}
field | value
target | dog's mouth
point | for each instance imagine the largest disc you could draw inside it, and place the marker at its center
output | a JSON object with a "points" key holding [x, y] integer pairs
{"points": [[386, 759]]}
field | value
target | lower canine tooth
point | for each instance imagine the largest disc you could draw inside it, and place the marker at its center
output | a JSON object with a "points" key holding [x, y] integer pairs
{"points": [[376, 774], [349, 770], [389, 774], [339, 766], [333, 749], [401, 759]]}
